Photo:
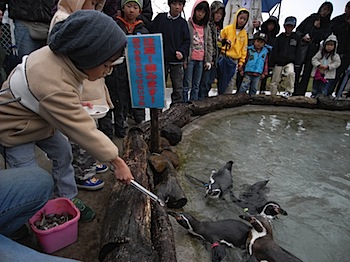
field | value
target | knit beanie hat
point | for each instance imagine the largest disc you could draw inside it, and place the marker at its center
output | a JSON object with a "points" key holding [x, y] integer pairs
{"points": [[88, 37], [139, 2]]}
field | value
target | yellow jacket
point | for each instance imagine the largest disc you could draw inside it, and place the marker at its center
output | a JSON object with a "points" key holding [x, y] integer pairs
{"points": [[239, 43]]}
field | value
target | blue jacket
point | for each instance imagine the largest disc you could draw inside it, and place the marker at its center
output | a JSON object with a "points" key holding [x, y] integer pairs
{"points": [[255, 62]]}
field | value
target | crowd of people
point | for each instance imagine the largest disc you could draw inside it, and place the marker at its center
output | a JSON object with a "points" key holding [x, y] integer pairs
{"points": [[72, 56]]}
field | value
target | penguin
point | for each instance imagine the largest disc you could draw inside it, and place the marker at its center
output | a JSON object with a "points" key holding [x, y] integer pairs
{"points": [[260, 243], [270, 209], [254, 201], [220, 181], [221, 233], [253, 197]]}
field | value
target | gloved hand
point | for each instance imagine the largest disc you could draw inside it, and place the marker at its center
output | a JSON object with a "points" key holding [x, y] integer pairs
{"points": [[207, 66]]}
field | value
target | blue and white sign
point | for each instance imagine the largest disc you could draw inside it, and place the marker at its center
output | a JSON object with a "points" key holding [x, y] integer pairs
{"points": [[146, 70]]}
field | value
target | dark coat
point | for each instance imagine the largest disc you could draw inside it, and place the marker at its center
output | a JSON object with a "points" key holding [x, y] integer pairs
{"points": [[341, 29], [287, 49], [271, 35], [316, 34], [29, 10], [176, 36]]}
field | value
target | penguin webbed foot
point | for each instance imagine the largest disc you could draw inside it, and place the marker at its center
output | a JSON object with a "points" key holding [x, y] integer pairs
{"points": [[218, 252]]}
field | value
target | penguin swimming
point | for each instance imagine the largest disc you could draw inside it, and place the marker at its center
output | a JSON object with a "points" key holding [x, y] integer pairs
{"points": [[231, 232], [255, 193], [270, 209], [260, 242], [253, 197], [254, 201], [220, 181]]}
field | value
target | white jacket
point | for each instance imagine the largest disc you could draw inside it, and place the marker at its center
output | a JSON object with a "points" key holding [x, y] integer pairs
{"points": [[255, 13]]}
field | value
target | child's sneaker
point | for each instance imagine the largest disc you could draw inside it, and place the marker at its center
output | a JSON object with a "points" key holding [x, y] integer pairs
{"points": [[86, 213], [101, 168], [90, 184], [287, 94]]}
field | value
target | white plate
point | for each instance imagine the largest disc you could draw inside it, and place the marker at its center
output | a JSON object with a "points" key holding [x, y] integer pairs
{"points": [[97, 111]]}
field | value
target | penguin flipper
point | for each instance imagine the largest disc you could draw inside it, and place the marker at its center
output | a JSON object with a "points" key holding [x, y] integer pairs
{"points": [[256, 188], [218, 252]]}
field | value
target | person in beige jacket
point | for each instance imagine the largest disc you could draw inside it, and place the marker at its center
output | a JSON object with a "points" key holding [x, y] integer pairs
{"points": [[93, 93], [49, 83]]}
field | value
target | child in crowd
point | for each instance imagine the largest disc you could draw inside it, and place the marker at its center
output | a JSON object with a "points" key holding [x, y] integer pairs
{"points": [[326, 61], [233, 50], [285, 55], [118, 82], [256, 65], [201, 49], [49, 82], [93, 93], [176, 44], [217, 10], [271, 28]]}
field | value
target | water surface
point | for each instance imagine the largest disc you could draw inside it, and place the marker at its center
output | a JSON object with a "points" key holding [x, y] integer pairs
{"points": [[305, 154]]}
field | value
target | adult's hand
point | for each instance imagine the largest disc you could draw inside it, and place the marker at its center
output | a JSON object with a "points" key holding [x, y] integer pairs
{"points": [[122, 171], [256, 23]]}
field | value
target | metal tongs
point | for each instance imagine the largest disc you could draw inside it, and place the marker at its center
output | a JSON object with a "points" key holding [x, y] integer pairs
{"points": [[147, 192]]}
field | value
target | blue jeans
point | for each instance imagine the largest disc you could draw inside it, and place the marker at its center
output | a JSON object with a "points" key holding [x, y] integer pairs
{"points": [[59, 150], [193, 75], [25, 44], [226, 70], [249, 83], [208, 77], [318, 87], [13, 251], [23, 191]]}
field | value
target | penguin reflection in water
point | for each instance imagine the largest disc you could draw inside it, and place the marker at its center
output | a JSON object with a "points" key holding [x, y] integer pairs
{"points": [[228, 232], [260, 243]]}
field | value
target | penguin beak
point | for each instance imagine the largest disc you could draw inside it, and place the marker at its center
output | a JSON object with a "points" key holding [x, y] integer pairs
{"points": [[281, 211]]}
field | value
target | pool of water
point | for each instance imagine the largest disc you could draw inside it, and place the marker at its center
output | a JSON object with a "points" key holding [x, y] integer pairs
{"points": [[305, 154]]}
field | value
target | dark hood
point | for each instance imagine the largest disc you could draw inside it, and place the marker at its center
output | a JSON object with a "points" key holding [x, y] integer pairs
{"points": [[276, 30]]}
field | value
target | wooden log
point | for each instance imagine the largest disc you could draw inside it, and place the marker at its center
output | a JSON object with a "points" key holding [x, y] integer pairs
{"points": [[163, 235], [182, 113], [129, 211], [169, 189], [325, 102]]}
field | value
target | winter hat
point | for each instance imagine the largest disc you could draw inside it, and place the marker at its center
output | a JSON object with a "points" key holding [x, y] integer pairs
{"points": [[139, 2], [260, 35], [88, 37], [290, 20], [332, 38]]}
